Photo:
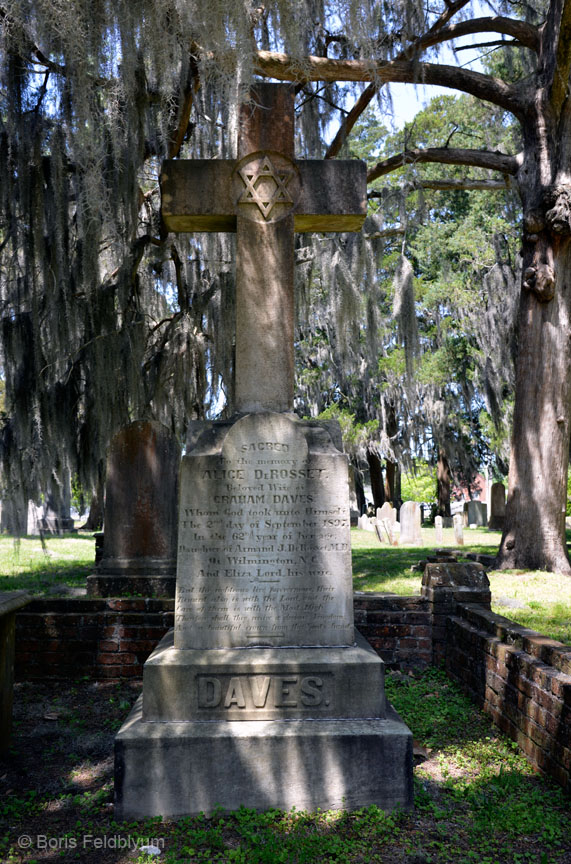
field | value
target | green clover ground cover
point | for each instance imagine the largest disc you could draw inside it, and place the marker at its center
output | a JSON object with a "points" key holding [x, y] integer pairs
{"points": [[476, 798]]}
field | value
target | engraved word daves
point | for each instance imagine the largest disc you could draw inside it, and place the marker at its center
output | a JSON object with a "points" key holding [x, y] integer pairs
{"points": [[262, 691]]}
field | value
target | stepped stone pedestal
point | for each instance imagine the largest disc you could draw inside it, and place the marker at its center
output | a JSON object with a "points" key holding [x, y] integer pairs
{"points": [[264, 695]]}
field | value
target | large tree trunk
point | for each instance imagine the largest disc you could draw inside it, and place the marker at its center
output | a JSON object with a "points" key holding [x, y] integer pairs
{"points": [[390, 471], [94, 520], [443, 484], [534, 527], [376, 472], [391, 467]]}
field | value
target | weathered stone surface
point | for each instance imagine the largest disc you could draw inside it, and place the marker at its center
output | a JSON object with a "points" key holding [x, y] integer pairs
{"points": [[459, 529], [468, 576], [141, 501], [264, 542], [264, 613], [387, 511], [10, 602], [475, 513], [264, 306], [498, 507], [261, 200], [365, 524], [197, 195], [410, 532], [177, 769], [265, 684], [438, 529]]}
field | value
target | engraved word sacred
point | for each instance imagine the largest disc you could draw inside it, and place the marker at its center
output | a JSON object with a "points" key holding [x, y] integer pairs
{"points": [[263, 691]]}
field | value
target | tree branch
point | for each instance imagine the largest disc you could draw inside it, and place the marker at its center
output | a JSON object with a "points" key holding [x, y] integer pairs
{"points": [[522, 32], [178, 135], [448, 185], [447, 156], [271, 64], [386, 232], [367, 94]]}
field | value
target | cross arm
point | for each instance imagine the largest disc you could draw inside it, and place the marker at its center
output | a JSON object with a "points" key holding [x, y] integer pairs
{"points": [[197, 195]]}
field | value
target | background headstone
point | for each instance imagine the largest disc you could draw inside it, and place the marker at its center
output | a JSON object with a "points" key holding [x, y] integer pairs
{"points": [[459, 529], [387, 511], [141, 508], [475, 513], [410, 532], [498, 507], [438, 529]]}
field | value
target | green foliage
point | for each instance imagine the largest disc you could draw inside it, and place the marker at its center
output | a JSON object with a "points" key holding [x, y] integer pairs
{"points": [[420, 483]]}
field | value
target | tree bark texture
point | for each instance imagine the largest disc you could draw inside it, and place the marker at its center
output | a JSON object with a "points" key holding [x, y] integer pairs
{"points": [[443, 483], [376, 473], [534, 527], [390, 470], [94, 520]]}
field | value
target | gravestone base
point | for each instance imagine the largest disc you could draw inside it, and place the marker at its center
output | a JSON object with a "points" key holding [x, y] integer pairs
{"points": [[126, 578], [240, 684], [131, 586], [350, 749]]}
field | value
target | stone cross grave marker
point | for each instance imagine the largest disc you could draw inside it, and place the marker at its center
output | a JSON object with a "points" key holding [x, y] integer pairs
{"points": [[264, 627], [264, 196]]}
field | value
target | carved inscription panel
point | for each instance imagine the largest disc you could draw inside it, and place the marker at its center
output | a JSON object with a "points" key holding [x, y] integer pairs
{"points": [[264, 543], [265, 696]]}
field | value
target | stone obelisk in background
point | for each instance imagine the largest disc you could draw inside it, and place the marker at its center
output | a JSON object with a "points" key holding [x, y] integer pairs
{"points": [[264, 695]]}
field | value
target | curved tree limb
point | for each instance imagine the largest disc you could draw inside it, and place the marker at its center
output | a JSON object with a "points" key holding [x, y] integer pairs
{"points": [[525, 34], [272, 64], [448, 185], [367, 94], [448, 156]]}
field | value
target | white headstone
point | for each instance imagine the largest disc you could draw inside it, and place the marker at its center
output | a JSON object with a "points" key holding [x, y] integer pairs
{"points": [[438, 529], [410, 533], [264, 544], [387, 511], [459, 529]]}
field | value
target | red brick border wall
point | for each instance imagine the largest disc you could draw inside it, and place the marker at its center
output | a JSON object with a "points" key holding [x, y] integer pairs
{"points": [[521, 679], [99, 638], [518, 677], [112, 638], [398, 628]]}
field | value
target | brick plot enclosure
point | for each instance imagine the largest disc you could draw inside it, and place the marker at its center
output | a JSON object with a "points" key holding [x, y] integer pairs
{"points": [[520, 678]]}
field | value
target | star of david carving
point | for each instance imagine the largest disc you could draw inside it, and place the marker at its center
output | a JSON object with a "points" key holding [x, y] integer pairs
{"points": [[265, 186]]}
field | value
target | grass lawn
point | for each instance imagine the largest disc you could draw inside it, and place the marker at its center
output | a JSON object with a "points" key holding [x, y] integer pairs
{"points": [[539, 600], [535, 599], [477, 801], [44, 567]]}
